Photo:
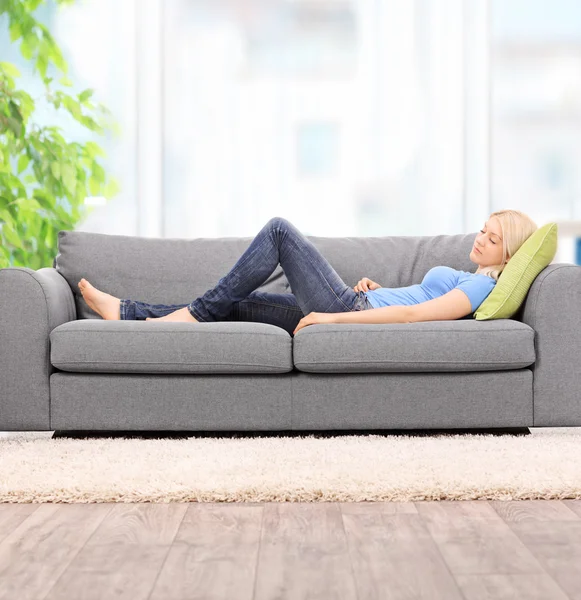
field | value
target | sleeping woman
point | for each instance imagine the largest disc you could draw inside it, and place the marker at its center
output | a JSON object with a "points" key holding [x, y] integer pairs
{"points": [[319, 295]]}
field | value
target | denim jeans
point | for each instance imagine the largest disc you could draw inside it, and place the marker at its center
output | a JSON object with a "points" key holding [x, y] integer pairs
{"points": [[314, 284]]}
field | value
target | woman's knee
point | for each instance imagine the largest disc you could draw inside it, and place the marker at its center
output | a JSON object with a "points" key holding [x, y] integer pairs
{"points": [[278, 222]]}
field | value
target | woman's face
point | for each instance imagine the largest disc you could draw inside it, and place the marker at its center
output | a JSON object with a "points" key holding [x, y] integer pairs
{"points": [[487, 249]]}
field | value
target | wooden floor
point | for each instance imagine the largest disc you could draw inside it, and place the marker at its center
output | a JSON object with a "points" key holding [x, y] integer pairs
{"points": [[528, 549]]}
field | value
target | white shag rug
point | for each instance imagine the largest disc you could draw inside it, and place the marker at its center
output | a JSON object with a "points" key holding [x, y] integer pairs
{"points": [[543, 465]]}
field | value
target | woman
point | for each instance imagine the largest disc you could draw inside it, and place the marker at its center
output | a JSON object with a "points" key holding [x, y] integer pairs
{"points": [[320, 294]]}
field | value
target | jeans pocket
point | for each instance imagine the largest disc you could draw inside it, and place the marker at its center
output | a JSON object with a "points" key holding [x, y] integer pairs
{"points": [[362, 302], [359, 302], [367, 304]]}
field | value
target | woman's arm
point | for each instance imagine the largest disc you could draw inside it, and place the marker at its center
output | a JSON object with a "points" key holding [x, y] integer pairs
{"points": [[455, 304], [385, 314]]}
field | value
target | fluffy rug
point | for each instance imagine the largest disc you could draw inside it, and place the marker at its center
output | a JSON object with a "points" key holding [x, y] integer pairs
{"points": [[36, 467]]}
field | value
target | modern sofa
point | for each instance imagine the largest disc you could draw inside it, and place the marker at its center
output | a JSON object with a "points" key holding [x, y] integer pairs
{"points": [[64, 368]]}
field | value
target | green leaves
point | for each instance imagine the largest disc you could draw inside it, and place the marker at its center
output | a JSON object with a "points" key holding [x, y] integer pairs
{"points": [[28, 204], [69, 178], [28, 46], [23, 161], [42, 57], [53, 52], [84, 96], [6, 217], [13, 119], [44, 178], [15, 31], [9, 69], [93, 150], [10, 235]]}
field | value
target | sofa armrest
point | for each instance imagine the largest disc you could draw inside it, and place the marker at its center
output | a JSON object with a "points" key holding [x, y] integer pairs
{"points": [[552, 308], [32, 304]]}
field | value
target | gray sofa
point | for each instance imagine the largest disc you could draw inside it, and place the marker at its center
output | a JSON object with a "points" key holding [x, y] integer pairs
{"points": [[63, 368]]}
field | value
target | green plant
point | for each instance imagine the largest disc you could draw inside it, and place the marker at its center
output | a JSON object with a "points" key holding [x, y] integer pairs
{"points": [[44, 178]]}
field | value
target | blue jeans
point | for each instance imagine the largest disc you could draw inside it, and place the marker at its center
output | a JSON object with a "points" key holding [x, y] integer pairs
{"points": [[314, 283]]}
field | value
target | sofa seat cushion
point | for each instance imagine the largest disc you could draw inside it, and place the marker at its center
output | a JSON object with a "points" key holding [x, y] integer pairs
{"points": [[460, 345], [98, 346]]}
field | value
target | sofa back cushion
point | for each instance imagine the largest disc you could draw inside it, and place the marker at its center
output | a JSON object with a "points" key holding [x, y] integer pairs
{"points": [[175, 270]]}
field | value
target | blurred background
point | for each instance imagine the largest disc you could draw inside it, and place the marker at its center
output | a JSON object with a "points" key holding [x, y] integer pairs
{"points": [[347, 117]]}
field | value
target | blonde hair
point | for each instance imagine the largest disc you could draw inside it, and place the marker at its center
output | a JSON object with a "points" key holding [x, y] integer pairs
{"points": [[516, 228]]}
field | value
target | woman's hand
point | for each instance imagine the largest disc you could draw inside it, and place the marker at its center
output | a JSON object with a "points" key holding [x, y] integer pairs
{"points": [[313, 318], [366, 284]]}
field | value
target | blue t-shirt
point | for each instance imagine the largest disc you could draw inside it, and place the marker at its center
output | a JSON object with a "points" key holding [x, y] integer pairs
{"points": [[436, 282]]}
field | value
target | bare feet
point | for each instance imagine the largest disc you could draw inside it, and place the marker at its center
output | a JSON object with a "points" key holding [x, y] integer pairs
{"points": [[102, 303], [182, 315]]}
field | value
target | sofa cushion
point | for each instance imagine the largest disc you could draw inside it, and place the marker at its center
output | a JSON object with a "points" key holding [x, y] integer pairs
{"points": [[518, 275], [176, 271], [98, 346], [461, 345]]}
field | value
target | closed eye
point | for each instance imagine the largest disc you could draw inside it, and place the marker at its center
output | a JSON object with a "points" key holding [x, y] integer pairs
{"points": [[481, 231]]}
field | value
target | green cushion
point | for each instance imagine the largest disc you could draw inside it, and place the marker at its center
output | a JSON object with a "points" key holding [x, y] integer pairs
{"points": [[518, 275]]}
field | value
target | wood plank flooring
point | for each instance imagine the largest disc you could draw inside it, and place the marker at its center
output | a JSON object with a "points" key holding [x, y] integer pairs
{"points": [[469, 550]]}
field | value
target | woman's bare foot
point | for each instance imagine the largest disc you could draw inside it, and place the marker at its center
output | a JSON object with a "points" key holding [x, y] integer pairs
{"points": [[102, 303], [182, 315]]}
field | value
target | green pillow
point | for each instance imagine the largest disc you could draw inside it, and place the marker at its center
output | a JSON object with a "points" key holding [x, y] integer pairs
{"points": [[518, 275]]}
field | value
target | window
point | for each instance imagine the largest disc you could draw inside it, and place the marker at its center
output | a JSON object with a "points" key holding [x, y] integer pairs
{"points": [[536, 110], [317, 147]]}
